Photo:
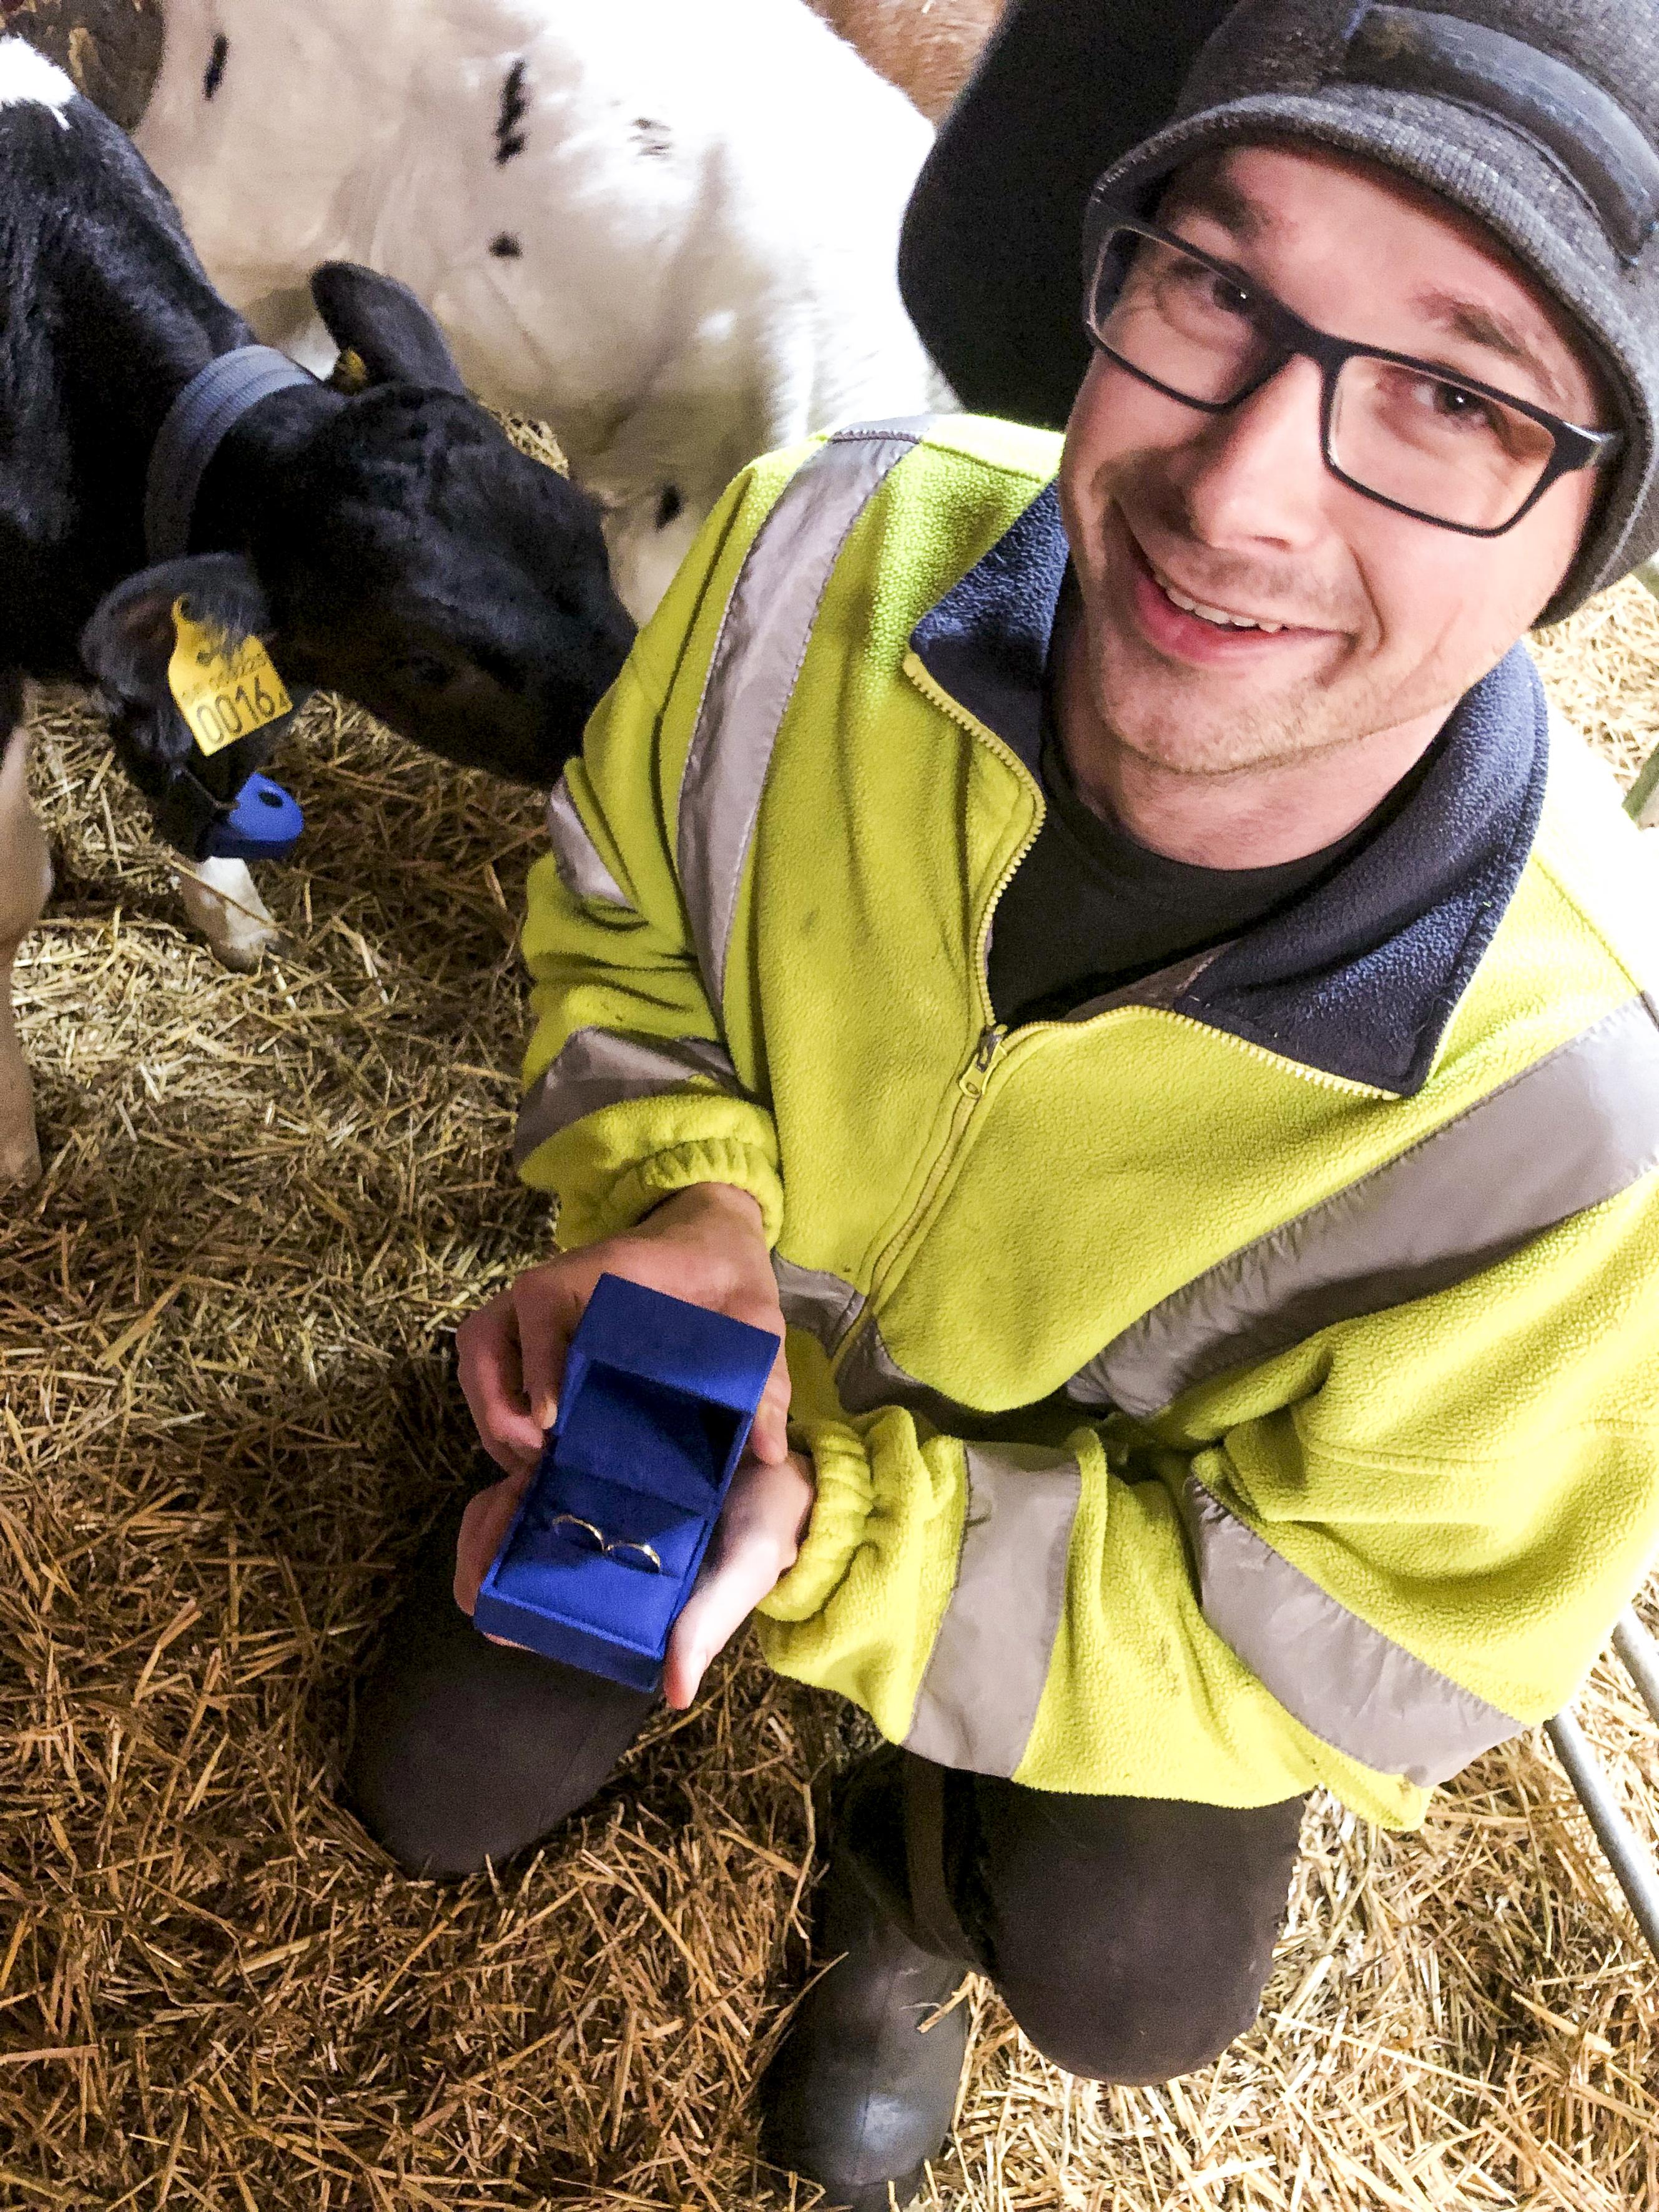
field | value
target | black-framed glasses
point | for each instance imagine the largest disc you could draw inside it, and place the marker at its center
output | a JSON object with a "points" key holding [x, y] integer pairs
{"points": [[1407, 433]]}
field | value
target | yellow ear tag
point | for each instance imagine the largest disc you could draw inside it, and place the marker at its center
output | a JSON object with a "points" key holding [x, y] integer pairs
{"points": [[224, 691], [350, 374]]}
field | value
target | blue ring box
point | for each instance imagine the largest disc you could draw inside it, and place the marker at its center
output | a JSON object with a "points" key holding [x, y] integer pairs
{"points": [[657, 1400]]}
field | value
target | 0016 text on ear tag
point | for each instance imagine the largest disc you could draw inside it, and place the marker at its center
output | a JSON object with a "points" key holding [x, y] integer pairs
{"points": [[224, 691]]}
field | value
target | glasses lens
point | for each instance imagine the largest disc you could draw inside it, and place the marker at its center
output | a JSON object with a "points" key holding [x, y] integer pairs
{"points": [[1182, 324], [1434, 445]]}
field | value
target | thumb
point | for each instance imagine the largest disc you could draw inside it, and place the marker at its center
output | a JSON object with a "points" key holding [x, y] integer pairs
{"points": [[711, 1617], [547, 1305], [769, 1436]]}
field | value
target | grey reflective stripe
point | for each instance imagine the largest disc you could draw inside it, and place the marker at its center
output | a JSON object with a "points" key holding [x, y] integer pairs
{"points": [[602, 1067], [870, 1376], [1571, 1131], [576, 857], [979, 1697], [816, 1301], [1346, 1682], [763, 636]]}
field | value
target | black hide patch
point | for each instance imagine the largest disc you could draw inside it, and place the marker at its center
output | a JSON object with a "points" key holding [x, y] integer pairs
{"points": [[515, 106], [392, 332], [214, 76], [506, 247]]}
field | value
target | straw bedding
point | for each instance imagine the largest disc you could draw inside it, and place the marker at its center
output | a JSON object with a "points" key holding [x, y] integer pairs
{"points": [[225, 1327]]}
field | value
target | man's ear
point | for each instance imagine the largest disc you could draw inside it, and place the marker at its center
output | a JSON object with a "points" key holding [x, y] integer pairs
{"points": [[127, 648], [393, 338]]}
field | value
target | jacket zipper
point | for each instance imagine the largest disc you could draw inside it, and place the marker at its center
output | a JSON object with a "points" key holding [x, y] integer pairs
{"points": [[971, 1081], [974, 1078]]}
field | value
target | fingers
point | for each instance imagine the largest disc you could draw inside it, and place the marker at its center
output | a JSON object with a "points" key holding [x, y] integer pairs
{"points": [[492, 1379], [483, 1526], [755, 1545]]}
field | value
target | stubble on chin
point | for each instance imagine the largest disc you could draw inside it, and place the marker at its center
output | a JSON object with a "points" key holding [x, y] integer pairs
{"points": [[1176, 722]]}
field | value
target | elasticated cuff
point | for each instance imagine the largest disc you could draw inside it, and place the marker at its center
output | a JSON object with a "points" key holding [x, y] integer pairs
{"points": [[587, 1215], [845, 1496]]}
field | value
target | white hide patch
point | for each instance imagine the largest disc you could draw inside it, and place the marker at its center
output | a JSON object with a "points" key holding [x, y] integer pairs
{"points": [[27, 76], [670, 231]]}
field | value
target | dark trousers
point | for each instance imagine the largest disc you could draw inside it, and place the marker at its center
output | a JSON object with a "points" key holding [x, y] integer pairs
{"points": [[1130, 1937]]}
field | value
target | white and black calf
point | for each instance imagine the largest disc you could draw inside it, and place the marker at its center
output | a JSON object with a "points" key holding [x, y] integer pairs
{"points": [[392, 545], [669, 230]]}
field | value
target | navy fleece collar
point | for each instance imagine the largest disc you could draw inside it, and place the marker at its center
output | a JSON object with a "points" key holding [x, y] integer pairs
{"points": [[1361, 976]]}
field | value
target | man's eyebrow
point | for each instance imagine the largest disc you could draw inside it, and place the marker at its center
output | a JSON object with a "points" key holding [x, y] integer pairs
{"points": [[1216, 196], [1479, 324]]}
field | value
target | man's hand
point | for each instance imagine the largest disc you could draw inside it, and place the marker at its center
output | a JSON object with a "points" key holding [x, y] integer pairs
{"points": [[754, 1546], [706, 1244]]}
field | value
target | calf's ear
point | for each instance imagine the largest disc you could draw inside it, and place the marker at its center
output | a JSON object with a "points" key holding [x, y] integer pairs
{"points": [[381, 322], [127, 645]]}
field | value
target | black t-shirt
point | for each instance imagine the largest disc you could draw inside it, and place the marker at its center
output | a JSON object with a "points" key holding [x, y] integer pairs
{"points": [[1089, 909]]}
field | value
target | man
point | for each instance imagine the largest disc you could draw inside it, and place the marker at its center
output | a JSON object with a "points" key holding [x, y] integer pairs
{"points": [[1123, 970]]}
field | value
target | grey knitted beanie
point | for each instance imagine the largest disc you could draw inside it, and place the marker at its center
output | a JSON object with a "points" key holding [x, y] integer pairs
{"points": [[1538, 117]]}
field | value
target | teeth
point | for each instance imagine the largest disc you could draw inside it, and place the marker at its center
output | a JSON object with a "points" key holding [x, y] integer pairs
{"points": [[1218, 615]]}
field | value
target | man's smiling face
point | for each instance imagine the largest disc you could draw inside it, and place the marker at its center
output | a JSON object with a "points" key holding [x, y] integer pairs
{"points": [[1383, 619]]}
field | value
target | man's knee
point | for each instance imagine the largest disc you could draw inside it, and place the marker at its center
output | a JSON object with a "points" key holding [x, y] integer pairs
{"points": [[465, 1750], [1130, 1938], [397, 1795], [1129, 2031]]}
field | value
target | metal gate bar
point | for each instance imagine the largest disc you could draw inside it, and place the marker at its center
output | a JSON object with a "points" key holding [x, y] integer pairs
{"points": [[1625, 1853]]}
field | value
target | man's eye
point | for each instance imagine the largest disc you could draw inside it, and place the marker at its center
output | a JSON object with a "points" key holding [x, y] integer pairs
{"points": [[1231, 299], [1452, 403], [1207, 288]]}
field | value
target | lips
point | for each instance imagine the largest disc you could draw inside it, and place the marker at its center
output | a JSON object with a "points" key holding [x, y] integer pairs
{"points": [[1200, 633], [1218, 615]]}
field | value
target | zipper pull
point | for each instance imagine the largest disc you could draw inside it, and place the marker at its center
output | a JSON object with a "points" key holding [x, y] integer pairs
{"points": [[972, 1079]]}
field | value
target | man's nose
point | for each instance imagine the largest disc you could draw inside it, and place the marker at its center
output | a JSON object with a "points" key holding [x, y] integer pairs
{"points": [[1256, 475]]}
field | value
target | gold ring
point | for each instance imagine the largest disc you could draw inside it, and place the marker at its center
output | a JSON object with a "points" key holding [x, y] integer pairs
{"points": [[575, 1521], [627, 1544]]}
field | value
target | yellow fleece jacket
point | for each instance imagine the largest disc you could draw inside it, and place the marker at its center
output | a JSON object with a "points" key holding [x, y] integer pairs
{"points": [[1249, 1382]]}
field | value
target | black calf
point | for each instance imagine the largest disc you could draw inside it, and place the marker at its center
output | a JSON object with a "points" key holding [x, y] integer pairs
{"points": [[391, 545]]}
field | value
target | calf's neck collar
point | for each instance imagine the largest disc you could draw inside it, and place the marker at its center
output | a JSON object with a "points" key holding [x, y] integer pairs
{"points": [[195, 425]]}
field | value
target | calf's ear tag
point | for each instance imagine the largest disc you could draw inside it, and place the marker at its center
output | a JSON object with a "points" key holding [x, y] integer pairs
{"points": [[350, 374], [224, 691]]}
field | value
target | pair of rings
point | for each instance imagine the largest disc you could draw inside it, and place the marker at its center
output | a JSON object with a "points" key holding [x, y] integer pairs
{"points": [[624, 1550]]}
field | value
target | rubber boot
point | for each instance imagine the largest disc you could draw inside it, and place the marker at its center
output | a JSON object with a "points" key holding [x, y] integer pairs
{"points": [[863, 2088]]}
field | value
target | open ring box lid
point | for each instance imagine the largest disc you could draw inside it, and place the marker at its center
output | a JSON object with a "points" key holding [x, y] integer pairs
{"points": [[655, 1411]]}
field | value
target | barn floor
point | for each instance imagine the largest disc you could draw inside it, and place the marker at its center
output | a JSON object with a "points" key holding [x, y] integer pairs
{"points": [[224, 1324]]}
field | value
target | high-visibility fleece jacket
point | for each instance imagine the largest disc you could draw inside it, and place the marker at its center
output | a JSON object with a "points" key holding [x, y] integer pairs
{"points": [[1248, 1381]]}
